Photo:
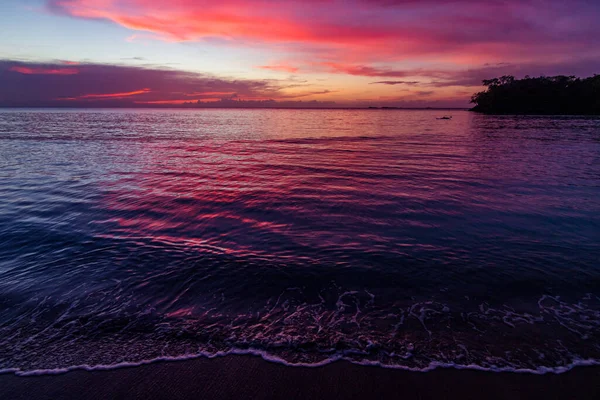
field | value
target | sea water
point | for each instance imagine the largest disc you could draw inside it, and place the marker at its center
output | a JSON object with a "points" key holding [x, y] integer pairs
{"points": [[377, 236]]}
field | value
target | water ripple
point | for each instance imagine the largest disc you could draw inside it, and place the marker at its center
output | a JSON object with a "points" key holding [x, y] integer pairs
{"points": [[386, 238]]}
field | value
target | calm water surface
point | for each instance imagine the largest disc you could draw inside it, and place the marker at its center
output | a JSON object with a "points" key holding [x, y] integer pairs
{"points": [[384, 237]]}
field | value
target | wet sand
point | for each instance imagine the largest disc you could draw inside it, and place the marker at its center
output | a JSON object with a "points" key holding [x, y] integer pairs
{"points": [[240, 377]]}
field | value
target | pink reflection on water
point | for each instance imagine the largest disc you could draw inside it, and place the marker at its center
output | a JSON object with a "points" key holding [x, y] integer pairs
{"points": [[263, 182]]}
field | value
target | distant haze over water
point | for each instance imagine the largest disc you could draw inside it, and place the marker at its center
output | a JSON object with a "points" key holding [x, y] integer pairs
{"points": [[380, 237]]}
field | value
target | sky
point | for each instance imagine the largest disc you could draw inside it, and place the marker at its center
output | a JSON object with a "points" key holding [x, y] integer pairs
{"points": [[341, 53]]}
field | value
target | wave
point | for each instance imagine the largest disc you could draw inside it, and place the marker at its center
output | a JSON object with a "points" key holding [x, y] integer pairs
{"points": [[421, 337], [542, 370]]}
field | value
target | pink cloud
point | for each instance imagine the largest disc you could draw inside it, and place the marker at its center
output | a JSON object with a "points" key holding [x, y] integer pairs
{"points": [[280, 68], [362, 70], [361, 31]]}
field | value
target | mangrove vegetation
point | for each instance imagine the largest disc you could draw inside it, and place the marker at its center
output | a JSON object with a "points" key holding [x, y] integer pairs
{"points": [[561, 95]]}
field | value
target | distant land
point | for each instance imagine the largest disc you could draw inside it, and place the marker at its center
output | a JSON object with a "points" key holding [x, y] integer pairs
{"points": [[225, 103], [215, 104], [554, 95]]}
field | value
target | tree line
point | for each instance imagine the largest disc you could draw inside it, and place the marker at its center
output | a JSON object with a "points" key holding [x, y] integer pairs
{"points": [[567, 95]]}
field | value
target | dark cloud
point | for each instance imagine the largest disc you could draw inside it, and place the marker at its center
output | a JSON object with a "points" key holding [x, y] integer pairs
{"points": [[471, 76], [474, 76], [306, 94], [57, 84]]}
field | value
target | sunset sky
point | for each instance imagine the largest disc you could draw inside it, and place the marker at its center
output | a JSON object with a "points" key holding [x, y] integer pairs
{"points": [[348, 53]]}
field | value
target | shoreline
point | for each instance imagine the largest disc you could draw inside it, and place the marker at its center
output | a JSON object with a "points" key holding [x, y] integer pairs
{"points": [[270, 358], [246, 376]]}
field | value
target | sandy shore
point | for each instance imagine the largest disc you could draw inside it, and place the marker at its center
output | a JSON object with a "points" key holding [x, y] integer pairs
{"points": [[240, 377]]}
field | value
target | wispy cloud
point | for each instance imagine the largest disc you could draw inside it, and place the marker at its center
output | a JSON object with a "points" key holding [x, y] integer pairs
{"points": [[280, 68], [306, 94], [395, 83], [101, 96]]}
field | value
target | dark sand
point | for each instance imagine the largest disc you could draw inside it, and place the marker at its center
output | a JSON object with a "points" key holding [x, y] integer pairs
{"points": [[241, 377]]}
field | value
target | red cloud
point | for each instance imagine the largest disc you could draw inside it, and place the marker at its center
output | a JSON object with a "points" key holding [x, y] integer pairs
{"points": [[107, 95], [44, 71], [364, 31]]}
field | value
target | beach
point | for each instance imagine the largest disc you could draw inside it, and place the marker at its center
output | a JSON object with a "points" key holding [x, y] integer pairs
{"points": [[241, 377]]}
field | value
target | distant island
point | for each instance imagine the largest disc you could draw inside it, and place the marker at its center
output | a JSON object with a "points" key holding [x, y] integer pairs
{"points": [[560, 95]]}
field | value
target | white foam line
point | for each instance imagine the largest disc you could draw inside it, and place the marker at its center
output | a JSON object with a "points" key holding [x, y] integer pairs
{"points": [[271, 358]]}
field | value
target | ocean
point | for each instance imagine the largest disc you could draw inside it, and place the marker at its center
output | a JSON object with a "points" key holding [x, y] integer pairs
{"points": [[381, 237]]}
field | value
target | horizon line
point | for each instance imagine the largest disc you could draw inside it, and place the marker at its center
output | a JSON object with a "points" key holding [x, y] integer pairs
{"points": [[374, 108]]}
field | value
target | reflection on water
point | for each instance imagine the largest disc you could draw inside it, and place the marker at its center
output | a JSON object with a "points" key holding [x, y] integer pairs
{"points": [[377, 236]]}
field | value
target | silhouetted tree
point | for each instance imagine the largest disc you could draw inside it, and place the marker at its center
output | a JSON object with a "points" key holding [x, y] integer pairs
{"points": [[544, 95]]}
